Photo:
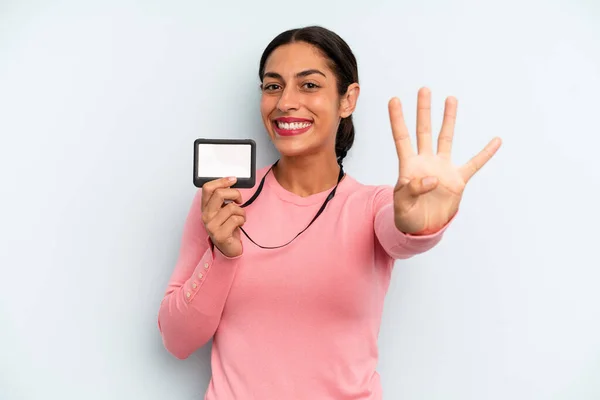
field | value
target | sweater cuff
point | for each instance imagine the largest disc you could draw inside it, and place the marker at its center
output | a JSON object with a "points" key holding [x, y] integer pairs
{"points": [[399, 244], [213, 271]]}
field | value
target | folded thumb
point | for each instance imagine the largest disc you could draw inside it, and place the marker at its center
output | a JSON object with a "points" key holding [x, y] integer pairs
{"points": [[418, 187]]}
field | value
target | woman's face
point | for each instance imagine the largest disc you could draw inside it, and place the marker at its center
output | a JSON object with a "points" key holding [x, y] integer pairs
{"points": [[300, 105]]}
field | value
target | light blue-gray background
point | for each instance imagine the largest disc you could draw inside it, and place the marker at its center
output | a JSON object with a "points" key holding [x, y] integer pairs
{"points": [[100, 102]]}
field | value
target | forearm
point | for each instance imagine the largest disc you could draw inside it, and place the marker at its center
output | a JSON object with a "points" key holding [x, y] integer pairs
{"points": [[191, 309], [400, 245]]}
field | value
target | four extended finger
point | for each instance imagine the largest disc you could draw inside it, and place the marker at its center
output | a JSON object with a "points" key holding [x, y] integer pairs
{"points": [[447, 132], [478, 161], [424, 142], [399, 129]]}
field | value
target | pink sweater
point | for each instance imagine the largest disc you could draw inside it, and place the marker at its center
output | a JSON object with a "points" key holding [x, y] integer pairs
{"points": [[299, 322]]}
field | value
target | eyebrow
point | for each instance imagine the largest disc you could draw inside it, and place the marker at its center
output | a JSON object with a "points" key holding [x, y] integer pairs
{"points": [[300, 74]]}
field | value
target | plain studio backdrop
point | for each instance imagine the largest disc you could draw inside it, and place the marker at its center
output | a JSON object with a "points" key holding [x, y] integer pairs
{"points": [[100, 102]]}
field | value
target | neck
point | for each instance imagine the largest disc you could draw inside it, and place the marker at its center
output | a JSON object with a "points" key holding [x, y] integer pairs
{"points": [[307, 175]]}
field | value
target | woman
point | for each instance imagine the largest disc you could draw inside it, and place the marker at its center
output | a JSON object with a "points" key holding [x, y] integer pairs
{"points": [[296, 316]]}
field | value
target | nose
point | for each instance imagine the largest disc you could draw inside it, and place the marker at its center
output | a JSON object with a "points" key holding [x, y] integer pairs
{"points": [[289, 100]]}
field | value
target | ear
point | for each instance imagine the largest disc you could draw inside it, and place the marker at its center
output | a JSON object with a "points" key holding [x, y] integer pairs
{"points": [[348, 101]]}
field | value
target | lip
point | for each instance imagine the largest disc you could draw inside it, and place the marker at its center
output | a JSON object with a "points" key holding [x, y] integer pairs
{"points": [[292, 119], [291, 132]]}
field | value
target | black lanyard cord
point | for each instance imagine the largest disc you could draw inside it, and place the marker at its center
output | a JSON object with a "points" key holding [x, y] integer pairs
{"points": [[259, 189]]}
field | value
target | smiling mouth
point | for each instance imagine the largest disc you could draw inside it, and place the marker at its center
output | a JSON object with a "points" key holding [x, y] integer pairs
{"points": [[291, 128]]}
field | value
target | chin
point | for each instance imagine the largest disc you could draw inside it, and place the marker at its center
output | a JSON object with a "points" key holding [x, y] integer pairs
{"points": [[298, 145], [292, 148]]}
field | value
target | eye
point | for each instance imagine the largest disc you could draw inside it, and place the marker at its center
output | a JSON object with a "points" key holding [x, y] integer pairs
{"points": [[310, 85], [271, 87]]}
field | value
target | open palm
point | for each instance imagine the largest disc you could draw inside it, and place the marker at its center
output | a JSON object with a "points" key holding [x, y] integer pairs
{"points": [[430, 187]]}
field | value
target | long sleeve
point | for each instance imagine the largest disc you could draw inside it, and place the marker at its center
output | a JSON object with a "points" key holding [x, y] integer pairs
{"points": [[397, 244], [191, 309]]}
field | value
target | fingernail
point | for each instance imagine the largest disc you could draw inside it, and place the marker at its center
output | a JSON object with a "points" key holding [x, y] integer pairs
{"points": [[232, 179], [404, 181]]}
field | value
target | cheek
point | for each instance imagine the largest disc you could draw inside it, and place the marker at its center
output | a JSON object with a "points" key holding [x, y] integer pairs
{"points": [[266, 106], [325, 109]]}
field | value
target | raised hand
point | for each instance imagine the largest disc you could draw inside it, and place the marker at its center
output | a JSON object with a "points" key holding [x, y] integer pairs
{"points": [[430, 187]]}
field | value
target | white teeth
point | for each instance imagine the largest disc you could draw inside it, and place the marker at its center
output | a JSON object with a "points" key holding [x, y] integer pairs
{"points": [[292, 126]]}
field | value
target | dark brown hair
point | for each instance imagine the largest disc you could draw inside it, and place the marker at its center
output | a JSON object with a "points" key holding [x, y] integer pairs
{"points": [[342, 62]]}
